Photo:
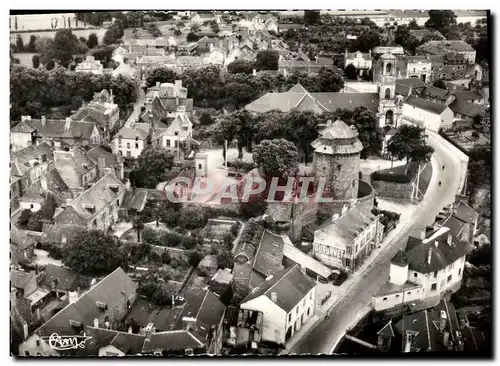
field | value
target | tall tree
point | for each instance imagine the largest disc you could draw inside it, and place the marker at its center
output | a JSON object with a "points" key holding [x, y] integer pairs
{"points": [[36, 61], [31, 45], [277, 158], [350, 72], [94, 253], [240, 66], [161, 75], [329, 80], [240, 125], [367, 41], [19, 43], [413, 24], [440, 19], [267, 60], [152, 164], [92, 41], [404, 38], [409, 143], [312, 17]]}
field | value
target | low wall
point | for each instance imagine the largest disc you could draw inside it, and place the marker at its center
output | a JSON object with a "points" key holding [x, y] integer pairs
{"points": [[392, 189]]}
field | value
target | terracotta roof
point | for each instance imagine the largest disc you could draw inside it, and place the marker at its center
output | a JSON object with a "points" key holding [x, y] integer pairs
{"points": [[468, 109], [99, 196], [32, 197], [438, 47], [466, 213], [20, 279], [302, 259], [57, 231], [269, 255], [389, 288], [400, 259], [140, 130], [56, 185], [23, 126], [428, 336], [442, 255], [387, 330], [20, 238], [128, 343], [316, 102], [110, 159], [436, 108], [67, 279], [290, 286], [171, 341], [433, 92], [144, 312], [467, 95], [109, 291], [71, 165], [18, 170], [135, 200], [33, 152], [57, 128]]}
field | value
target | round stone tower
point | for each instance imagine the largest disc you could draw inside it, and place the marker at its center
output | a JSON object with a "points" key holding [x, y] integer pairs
{"points": [[336, 160]]}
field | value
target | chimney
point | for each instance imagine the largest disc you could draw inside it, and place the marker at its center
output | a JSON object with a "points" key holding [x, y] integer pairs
{"points": [[158, 84], [274, 297], [344, 209], [446, 339], [422, 235], [173, 301], [407, 342], [449, 240], [436, 243], [44, 120], [38, 315], [335, 217], [101, 164], [68, 124], [429, 256], [96, 323], [442, 321], [254, 72]]}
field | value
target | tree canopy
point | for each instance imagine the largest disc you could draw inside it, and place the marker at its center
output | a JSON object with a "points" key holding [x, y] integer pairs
{"points": [[277, 158], [350, 72], [312, 17], [267, 60], [151, 166], [409, 143], [94, 253], [161, 75], [440, 19], [240, 66]]}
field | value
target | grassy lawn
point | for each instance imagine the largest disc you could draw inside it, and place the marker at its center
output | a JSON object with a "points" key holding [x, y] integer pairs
{"points": [[425, 178]]}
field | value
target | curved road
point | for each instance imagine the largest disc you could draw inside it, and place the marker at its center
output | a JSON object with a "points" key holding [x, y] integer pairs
{"points": [[325, 335]]}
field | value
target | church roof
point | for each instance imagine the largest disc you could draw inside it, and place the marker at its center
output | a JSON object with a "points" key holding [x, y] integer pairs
{"points": [[338, 130]]}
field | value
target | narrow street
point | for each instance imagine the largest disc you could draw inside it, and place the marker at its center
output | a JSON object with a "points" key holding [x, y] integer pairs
{"points": [[137, 108], [325, 335]]}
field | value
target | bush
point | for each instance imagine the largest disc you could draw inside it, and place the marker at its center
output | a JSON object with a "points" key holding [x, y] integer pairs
{"points": [[165, 257], [193, 217], [195, 258], [240, 165], [395, 178]]}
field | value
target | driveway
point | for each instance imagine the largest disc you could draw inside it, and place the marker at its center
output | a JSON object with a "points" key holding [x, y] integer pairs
{"points": [[355, 301]]}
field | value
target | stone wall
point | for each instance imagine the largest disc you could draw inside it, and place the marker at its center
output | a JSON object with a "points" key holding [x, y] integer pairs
{"points": [[392, 189], [342, 173]]}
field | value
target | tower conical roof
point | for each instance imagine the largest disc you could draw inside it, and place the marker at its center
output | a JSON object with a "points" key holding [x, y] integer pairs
{"points": [[338, 130]]}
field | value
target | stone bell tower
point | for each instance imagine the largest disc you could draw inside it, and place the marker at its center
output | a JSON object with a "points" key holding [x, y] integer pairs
{"points": [[390, 107]]}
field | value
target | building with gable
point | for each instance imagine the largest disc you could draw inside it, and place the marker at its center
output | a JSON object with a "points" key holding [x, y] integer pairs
{"points": [[361, 61], [348, 239], [90, 65], [163, 100], [96, 208], [59, 133], [298, 97], [441, 328], [105, 304], [446, 47], [77, 171], [130, 140], [287, 301], [429, 267], [102, 111]]}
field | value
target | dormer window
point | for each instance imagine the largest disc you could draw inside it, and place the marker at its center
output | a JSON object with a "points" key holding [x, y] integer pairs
{"points": [[176, 133], [75, 323], [101, 305], [113, 187], [85, 166], [89, 208]]}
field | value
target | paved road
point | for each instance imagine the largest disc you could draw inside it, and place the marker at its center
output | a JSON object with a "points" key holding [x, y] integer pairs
{"points": [[137, 109], [324, 336]]}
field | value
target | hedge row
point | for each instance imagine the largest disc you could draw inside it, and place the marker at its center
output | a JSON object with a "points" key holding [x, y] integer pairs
{"points": [[240, 165], [396, 178]]}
